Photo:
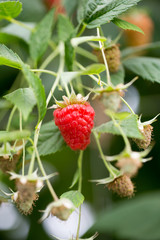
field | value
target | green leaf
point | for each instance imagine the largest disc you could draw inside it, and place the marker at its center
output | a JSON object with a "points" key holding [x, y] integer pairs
{"points": [[76, 41], [10, 9], [69, 54], [75, 179], [134, 50], [102, 11], [50, 139], [23, 99], [65, 28], [14, 135], [41, 36], [74, 196], [67, 77], [118, 77], [146, 67], [38, 89], [136, 219], [126, 25], [9, 58], [18, 32], [94, 69], [129, 125], [81, 10]]}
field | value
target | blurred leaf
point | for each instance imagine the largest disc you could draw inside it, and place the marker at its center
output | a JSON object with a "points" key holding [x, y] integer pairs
{"points": [[74, 196], [69, 54], [50, 139], [38, 89], [133, 50], [66, 32], [41, 36], [5, 104], [9, 58], [75, 179], [136, 219], [14, 30], [128, 124], [23, 99], [126, 25], [146, 67], [70, 6], [101, 12], [14, 135], [118, 77], [10, 9], [76, 41], [65, 28]]}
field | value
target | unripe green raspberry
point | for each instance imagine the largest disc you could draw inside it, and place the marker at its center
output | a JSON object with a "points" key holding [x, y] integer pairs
{"points": [[122, 186], [147, 133], [112, 55], [112, 100]]}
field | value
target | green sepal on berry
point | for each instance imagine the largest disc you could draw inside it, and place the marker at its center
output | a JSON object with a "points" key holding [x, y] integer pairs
{"points": [[72, 99]]}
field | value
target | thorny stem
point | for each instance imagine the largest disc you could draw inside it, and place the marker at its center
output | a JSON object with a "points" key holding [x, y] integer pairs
{"points": [[44, 71], [102, 154], [56, 82], [128, 147], [12, 20], [128, 105], [20, 126], [54, 195], [79, 189], [105, 61], [10, 118]]}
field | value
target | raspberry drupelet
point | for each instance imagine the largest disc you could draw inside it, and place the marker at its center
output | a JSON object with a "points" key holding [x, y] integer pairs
{"points": [[75, 122]]}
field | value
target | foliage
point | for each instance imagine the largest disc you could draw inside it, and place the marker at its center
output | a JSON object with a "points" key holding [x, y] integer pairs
{"points": [[60, 56]]}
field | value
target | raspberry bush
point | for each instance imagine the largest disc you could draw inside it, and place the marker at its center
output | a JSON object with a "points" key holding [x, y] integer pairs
{"points": [[71, 75]]}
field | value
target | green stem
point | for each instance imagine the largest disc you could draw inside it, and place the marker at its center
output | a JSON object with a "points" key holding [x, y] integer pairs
{"points": [[44, 71], [54, 195], [12, 20], [56, 82], [10, 118], [107, 165], [79, 189], [67, 90], [80, 170], [105, 60], [50, 58], [128, 147], [20, 127], [128, 105], [81, 29], [86, 54]]}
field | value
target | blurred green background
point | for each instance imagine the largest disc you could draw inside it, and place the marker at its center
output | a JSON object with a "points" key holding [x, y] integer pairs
{"points": [[115, 218]]}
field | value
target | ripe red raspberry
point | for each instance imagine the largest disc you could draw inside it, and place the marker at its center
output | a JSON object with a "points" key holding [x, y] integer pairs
{"points": [[75, 122], [56, 4]]}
